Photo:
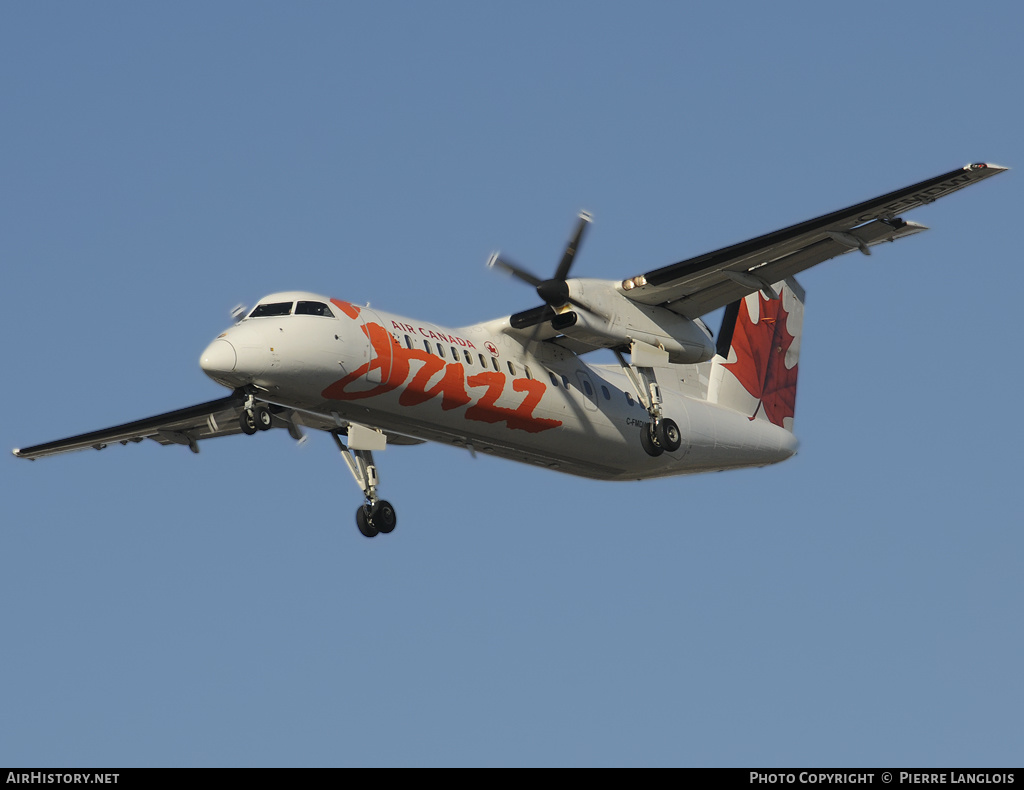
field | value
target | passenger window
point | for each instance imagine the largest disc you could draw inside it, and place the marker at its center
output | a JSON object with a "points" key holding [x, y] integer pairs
{"points": [[408, 342], [605, 392], [565, 382], [440, 350], [426, 345], [526, 370], [455, 353], [270, 310], [494, 363], [483, 362], [313, 308], [554, 379], [469, 357], [511, 368], [629, 398], [589, 390]]}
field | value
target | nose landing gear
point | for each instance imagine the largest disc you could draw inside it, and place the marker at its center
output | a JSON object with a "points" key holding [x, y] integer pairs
{"points": [[255, 417]]}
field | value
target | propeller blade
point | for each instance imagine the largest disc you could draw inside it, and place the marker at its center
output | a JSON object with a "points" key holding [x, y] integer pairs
{"points": [[574, 244], [554, 291], [515, 270]]}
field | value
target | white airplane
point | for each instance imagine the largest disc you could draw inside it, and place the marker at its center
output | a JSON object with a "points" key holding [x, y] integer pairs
{"points": [[518, 387]]}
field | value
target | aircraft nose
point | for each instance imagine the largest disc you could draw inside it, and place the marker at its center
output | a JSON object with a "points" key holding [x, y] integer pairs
{"points": [[218, 359]]}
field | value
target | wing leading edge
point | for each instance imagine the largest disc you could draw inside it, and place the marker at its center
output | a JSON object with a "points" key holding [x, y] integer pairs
{"points": [[696, 286]]}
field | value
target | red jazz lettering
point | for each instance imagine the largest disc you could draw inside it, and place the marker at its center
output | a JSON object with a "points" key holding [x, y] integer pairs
{"points": [[393, 361]]}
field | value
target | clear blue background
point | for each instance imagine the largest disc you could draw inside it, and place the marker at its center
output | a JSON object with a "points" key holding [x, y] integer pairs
{"points": [[859, 605]]}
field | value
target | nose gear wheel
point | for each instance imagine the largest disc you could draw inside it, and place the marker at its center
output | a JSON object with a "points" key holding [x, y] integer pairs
{"points": [[262, 417], [247, 420]]}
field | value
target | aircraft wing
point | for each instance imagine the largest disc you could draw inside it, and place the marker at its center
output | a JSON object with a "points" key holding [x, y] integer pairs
{"points": [[184, 426], [699, 285], [191, 425]]}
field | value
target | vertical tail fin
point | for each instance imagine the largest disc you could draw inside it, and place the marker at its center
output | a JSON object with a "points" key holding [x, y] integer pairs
{"points": [[756, 367]]}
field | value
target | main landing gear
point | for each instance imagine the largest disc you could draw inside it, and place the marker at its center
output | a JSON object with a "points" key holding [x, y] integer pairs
{"points": [[379, 518], [376, 516], [661, 434]]}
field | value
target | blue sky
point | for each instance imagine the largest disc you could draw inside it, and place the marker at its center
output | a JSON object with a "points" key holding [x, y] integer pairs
{"points": [[858, 605]]}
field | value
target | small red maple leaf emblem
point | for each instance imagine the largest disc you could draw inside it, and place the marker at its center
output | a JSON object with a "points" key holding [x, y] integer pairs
{"points": [[760, 364]]}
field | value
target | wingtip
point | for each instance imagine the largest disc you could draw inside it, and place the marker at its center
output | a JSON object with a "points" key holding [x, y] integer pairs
{"points": [[986, 166]]}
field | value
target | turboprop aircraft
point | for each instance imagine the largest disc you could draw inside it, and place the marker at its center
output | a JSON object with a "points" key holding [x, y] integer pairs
{"points": [[519, 387]]}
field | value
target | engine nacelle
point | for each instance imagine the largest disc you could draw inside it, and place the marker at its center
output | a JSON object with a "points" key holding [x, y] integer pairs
{"points": [[685, 341]]}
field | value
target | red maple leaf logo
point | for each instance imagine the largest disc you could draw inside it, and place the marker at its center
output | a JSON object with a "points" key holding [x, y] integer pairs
{"points": [[760, 364]]}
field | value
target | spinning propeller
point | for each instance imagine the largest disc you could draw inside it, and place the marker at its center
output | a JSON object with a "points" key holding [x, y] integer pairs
{"points": [[554, 291]]}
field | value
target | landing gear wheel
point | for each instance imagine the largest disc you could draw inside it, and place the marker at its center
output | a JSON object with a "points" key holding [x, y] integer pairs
{"points": [[262, 417], [384, 517], [248, 422], [647, 441], [365, 522], [668, 436]]}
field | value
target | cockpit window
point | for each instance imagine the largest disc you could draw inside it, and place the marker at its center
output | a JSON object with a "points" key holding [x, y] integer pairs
{"points": [[265, 310], [313, 308]]}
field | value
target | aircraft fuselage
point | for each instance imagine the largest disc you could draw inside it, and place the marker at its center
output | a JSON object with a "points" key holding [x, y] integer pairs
{"points": [[475, 388]]}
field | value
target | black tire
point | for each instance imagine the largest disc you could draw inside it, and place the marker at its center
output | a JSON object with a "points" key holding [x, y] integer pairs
{"points": [[248, 422], [647, 441], [384, 517], [668, 435], [263, 418], [365, 524]]}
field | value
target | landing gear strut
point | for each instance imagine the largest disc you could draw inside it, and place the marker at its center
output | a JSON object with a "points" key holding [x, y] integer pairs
{"points": [[376, 516]]}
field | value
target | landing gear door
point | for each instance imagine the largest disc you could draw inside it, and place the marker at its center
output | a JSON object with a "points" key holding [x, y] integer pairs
{"points": [[379, 347]]}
